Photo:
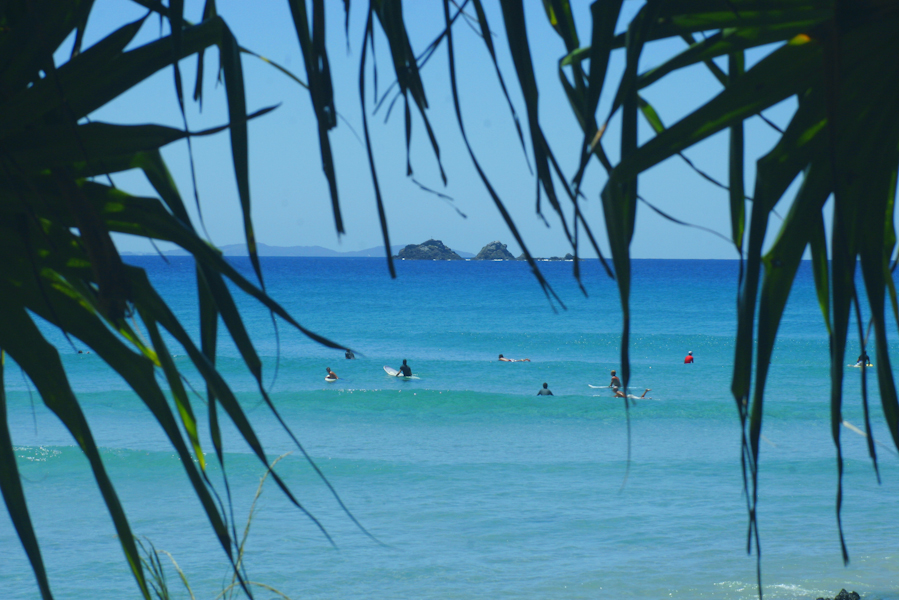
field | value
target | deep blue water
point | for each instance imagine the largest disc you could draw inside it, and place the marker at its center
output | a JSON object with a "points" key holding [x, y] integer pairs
{"points": [[475, 486]]}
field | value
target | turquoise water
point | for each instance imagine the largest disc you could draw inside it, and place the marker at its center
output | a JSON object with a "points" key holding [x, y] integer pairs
{"points": [[475, 486]]}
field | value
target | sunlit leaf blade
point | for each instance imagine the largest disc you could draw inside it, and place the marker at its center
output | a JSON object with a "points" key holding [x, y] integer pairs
{"points": [[559, 14], [691, 16], [182, 401], [727, 42]]}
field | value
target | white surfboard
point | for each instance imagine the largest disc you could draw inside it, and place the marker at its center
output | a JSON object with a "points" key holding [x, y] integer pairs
{"points": [[859, 366], [330, 380], [599, 387], [395, 373]]}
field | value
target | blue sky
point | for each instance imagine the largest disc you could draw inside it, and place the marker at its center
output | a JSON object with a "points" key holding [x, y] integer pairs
{"points": [[291, 205]]}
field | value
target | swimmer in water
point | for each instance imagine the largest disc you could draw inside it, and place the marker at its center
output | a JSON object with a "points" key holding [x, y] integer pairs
{"points": [[504, 359]]}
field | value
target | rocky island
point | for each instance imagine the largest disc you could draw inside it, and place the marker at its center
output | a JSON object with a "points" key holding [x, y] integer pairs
{"points": [[494, 251], [430, 250]]}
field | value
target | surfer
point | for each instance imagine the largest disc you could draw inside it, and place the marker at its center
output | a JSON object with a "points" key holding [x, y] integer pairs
{"points": [[404, 371], [688, 360], [349, 354], [863, 359], [620, 394], [504, 359], [616, 383], [545, 391], [332, 376]]}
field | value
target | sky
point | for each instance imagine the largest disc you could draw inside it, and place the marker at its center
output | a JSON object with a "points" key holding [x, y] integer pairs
{"points": [[290, 199]]}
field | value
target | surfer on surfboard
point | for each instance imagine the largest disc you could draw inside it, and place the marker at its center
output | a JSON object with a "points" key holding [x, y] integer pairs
{"points": [[332, 376], [616, 383], [404, 371], [504, 359]]}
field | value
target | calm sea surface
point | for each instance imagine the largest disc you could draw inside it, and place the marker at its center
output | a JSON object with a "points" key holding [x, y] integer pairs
{"points": [[474, 486]]}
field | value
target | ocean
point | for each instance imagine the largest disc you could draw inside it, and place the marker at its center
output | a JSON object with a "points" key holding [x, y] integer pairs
{"points": [[469, 484]]}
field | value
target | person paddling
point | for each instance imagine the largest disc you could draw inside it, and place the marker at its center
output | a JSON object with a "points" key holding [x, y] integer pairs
{"points": [[620, 394], [504, 359]]}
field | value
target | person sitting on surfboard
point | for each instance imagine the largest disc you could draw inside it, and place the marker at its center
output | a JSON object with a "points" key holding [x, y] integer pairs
{"points": [[404, 371], [616, 383], [504, 359], [332, 376], [545, 391], [863, 359], [349, 354], [688, 360]]}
